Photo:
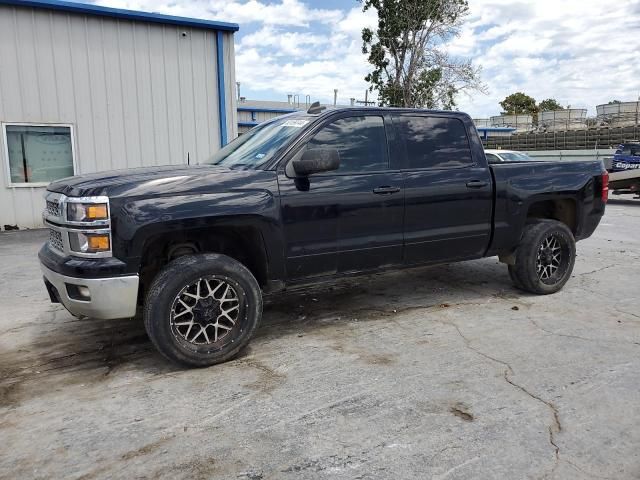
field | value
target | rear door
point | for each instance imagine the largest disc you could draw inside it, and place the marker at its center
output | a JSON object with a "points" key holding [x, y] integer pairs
{"points": [[349, 219], [448, 192]]}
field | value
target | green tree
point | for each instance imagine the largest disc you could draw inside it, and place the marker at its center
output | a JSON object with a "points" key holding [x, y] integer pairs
{"points": [[411, 67], [519, 103], [549, 104], [613, 102]]}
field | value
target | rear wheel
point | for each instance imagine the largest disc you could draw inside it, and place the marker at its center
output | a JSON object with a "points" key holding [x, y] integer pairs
{"points": [[544, 258], [202, 309], [514, 277]]}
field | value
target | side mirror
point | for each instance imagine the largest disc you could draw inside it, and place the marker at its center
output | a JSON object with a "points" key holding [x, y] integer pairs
{"points": [[317, 160]]}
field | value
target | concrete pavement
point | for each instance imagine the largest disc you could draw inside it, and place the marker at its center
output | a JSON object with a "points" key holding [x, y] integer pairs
{"points": [[443, 372]]}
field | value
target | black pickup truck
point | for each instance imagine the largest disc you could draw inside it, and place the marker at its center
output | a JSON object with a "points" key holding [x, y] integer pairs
{"points": [[303, 198]]}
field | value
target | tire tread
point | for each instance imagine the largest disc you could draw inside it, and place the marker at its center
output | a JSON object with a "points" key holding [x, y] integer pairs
{"points": [[186, 267], [523, 273]]}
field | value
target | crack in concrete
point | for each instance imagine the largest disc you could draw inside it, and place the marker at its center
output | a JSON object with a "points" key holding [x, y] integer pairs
{"points": [[584, 472], [456, 467], [625, 312], [578, 337], [555, 427], [598, 270], [614, 307]]}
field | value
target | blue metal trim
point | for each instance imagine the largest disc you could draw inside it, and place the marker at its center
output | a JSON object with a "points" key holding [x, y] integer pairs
{"points": [[222, 103], [248, 124], [87, 8], [265, 110], [496, 129]]}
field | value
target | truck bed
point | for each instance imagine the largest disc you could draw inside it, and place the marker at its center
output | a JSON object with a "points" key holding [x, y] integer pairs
{"points": [[519, 185]]}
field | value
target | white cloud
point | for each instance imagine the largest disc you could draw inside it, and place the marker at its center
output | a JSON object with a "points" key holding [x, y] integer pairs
{"points": [[356, 20], [283, 43], [313, 62], [578, 52], [581, 52], [285, 12]]}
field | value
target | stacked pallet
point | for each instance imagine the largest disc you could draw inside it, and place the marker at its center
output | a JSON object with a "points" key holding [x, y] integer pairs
{"points": [[585, 139]]}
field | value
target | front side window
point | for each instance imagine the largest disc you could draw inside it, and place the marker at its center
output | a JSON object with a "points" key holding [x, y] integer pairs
{"points": [[360, 142], [38, 153], [434, 142]]}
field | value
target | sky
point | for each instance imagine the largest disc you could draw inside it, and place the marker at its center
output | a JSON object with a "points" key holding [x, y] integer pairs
{"points": [[580, 52]]}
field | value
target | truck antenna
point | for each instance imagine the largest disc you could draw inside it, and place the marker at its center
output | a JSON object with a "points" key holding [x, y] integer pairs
{"points": [[315, 108]]}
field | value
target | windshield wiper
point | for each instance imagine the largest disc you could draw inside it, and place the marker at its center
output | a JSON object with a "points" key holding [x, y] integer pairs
{"points": [[240, 166]]}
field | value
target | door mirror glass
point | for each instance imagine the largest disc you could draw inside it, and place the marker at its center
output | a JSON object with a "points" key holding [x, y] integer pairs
{"points": [[317, 160]]}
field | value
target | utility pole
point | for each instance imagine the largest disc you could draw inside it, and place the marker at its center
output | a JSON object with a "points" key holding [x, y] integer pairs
{"points": [[366, 101]]}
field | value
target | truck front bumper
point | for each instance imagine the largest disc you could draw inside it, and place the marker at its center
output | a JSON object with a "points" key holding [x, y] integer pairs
{"points": [[102, 298]]}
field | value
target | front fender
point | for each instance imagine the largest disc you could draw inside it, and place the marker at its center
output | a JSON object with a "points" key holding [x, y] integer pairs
{"points": [[139, 219]]}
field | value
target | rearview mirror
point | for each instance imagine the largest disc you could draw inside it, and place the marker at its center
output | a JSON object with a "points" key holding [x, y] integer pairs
{"points": [[317, 160]]}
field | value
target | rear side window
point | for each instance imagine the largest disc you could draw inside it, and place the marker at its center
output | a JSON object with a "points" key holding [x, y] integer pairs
{"points": [[434, 142], [360, 141]]}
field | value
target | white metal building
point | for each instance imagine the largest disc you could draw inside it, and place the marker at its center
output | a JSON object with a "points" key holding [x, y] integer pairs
{"points": [[254, 112], [483, 125], [522, 123], [563, 120], [623, 114], [85, 88]]}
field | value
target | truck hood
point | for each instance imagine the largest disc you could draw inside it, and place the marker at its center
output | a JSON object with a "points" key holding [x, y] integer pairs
{"points": [[155, 181]]}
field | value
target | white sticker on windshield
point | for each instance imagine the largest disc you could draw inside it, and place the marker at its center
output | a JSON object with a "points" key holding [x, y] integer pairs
{"points": [[295, 123]]}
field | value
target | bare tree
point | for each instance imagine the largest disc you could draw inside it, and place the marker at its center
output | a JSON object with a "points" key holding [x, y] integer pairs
{"points": [[408, 52]]}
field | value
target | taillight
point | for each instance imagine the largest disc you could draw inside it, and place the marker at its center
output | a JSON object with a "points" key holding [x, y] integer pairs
{"points": [[605, 186]]}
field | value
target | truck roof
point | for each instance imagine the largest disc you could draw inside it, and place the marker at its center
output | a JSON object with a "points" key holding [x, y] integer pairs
{"points": [[328, 110]]}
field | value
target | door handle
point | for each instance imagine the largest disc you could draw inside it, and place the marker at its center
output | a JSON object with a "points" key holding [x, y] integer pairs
{"points": [[386, 190], [477, 184]]}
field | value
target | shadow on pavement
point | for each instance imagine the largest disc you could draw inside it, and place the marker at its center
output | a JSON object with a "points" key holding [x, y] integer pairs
{"points": [[64, 350]]}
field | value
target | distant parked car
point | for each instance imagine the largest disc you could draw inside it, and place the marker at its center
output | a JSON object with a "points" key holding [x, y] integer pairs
{"points": [[497, 156]]}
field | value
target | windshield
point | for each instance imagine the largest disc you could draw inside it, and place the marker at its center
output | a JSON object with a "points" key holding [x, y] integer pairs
{"points": [[515, 157], [260, 144]]}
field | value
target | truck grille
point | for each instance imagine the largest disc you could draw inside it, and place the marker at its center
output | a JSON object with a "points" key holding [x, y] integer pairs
{"points": [[53, 208], [55, 240]]}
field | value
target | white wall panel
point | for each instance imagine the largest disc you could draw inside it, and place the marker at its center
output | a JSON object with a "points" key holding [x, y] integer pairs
{"points": [[137, 94]]}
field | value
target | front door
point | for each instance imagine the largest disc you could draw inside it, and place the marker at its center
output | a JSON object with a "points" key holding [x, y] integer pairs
{"points": [[346, 220]]}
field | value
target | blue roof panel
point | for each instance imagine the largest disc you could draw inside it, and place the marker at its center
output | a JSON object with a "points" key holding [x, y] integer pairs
{"points": [[494, 129], [91, 9]]}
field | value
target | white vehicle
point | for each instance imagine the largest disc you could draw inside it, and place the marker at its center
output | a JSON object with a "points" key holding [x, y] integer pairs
{"points": [[498, 156]]}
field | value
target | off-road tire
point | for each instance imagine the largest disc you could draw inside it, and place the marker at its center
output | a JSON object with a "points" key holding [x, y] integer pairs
{"points": [[514, 277], [165, 290], [525, 273]]}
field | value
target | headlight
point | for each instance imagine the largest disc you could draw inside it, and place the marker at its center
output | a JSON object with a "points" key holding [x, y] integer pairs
{"points": [[87, 212], [89, 242]]}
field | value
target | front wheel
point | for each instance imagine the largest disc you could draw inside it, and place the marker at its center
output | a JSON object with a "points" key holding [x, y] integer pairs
{"points": [[202, 309], [544, 258]]}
